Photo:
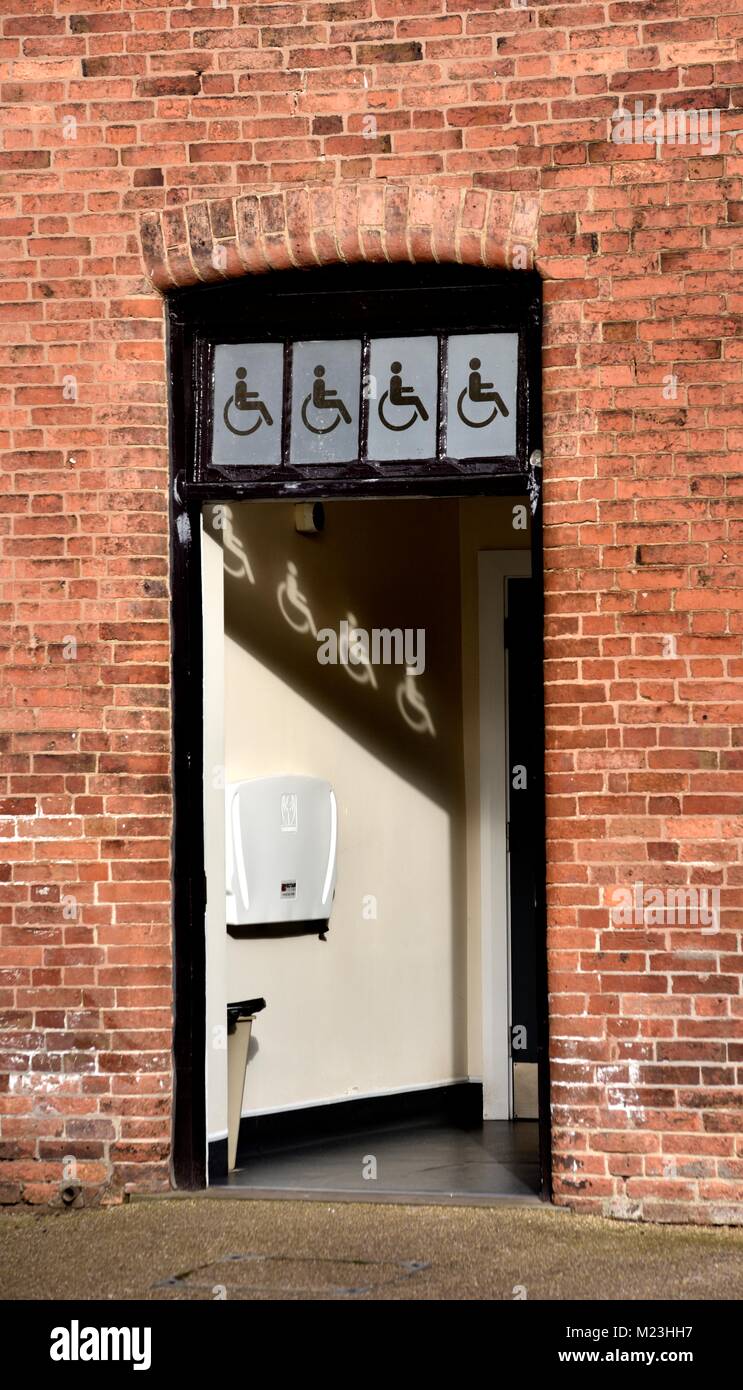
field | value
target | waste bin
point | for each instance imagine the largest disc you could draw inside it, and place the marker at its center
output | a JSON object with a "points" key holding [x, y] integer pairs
{"points": [[239, 1024]]}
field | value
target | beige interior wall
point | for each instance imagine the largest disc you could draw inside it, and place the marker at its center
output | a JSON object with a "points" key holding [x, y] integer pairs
{"points": [[214, 858], [381, 1004], [390, 1001]]}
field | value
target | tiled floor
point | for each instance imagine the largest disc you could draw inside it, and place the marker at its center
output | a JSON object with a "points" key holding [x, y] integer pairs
{"points": [[497, 1159]]}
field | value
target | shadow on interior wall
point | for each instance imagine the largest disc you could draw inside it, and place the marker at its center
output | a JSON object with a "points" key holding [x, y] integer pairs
{"points": [[380, 565], [390, 564], [376, 565]]}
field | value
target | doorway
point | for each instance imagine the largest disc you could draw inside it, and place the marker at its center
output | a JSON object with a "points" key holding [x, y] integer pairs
{"points": [[454, 1089], [384, 1061]]}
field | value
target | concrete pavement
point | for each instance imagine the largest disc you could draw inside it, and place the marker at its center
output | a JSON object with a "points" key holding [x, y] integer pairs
{"points": [[205, 1248]]}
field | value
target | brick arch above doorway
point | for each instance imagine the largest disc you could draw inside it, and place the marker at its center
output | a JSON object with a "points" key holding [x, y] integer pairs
{"points": [[222, 238]]}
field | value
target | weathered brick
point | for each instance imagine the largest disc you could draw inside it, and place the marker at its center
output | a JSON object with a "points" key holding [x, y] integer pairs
{"points": [[290, 134]]}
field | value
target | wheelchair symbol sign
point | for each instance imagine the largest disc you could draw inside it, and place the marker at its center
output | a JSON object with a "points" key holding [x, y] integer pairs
{"points": [[326, 387], [248, 387], [398, 395], [247, 401], [402, 410], [479, 392], [481, 396], [326, 403]]}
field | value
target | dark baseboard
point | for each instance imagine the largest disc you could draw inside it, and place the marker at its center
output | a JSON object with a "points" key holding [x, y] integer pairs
{"points": [[217, 1159], [459, 1104]]}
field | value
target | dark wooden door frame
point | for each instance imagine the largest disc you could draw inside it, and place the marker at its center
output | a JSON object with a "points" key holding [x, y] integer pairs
{"points": [[396, 299]]}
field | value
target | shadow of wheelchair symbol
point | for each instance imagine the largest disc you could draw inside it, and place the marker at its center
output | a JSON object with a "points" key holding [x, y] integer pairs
{"points": [[479, 424], [412, 706], [319, 429], [385, 421], [259, 407]]}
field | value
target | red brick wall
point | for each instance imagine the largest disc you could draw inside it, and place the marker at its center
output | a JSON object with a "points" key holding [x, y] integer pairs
{"points": [[493, 125]]}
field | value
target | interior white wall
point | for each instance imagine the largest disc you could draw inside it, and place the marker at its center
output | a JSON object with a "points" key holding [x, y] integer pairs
{"points": [[214, 855], [381, 1004], [493, 569], [486, 526], [371, 1008]]}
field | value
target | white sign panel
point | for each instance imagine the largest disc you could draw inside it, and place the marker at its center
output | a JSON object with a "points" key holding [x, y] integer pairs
{"points": [[403, 398], [481, 396], [326, 390], [248, 398]]}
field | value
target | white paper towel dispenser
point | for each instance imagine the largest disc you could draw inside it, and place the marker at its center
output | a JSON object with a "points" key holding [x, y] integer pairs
{"points": [[282, 838]]}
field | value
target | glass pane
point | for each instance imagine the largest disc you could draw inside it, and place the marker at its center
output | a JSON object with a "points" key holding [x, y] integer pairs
{"points": [[326, 383], [403, 395], [248, 391], [481, 396]]}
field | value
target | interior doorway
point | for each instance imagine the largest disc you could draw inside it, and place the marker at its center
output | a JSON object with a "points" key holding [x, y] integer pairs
{"points": [[384, 1061]]}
